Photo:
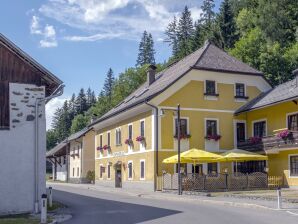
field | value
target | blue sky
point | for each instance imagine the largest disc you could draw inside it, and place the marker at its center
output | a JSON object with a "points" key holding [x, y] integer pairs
{"points": [[79, 40]]}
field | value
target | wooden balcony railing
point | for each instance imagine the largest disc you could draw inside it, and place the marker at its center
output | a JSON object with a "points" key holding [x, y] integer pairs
{"points": [[270, 143]]}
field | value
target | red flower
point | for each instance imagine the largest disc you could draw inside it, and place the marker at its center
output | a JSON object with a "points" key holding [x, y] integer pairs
{"points": [[106, 147], [213, 137], [128, 141], [140, 138], [255, 140]]}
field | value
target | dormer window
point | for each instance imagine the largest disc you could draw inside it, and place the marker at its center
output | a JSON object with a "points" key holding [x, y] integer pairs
{"points": [[210, 88], [240, 91]]}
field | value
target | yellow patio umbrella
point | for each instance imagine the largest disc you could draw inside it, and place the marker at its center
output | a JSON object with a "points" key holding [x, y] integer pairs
{"points": [[238, 155], [194, 156]]}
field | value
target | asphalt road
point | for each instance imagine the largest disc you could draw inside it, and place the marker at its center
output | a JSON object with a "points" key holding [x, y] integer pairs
{"points": [[94, 207]]}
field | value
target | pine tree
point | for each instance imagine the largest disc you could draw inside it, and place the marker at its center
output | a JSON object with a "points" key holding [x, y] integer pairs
{"points": [[146, 50], [185, 33], [207, 16], [227, 24], [108, 85], [72, 106], [81, 102], [172, 36], [198, 39], [91, 100]]}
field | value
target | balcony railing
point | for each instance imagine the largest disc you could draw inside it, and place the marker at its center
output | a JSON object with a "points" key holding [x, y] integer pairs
{"points": [[270, 143]]}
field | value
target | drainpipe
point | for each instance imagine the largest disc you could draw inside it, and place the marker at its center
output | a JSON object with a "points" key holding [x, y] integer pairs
{"points": [[156, 143], [57, 93]]}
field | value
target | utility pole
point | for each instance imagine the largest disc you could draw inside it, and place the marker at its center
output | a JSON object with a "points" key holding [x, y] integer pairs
{"points": [[179, 139]]}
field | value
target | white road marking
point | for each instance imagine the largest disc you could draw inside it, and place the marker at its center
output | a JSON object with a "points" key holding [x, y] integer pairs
{"points": [[292, 213]]}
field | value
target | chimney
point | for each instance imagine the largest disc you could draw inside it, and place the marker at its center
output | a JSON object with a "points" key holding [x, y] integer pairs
{"points": [[151, 74], [295, 73]]}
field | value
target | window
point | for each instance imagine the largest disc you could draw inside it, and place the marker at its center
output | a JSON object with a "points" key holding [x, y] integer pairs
{"points": [[130, 131], [210, 88], [78, 171], [249, 166], [212, 169], [118, 136], [293, 122], [260, 129], [211, 127], [100, 141], [101, 169], [73, 172], [129, 170], [109, 171], [198, 168], [142, 128], [64, 160], [294, 165], [142, 166], [109, 138], [240, 90], [183, 127], [183, 168], [240, 132]]}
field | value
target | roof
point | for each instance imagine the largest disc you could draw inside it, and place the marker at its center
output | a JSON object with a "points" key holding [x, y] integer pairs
{"points": [[209, 57], [281, 93], [78, 134], [47, 75], [56, 149], [62, 144]]}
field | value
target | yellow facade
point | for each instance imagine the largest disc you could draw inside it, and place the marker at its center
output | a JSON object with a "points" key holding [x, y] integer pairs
{"points": [[276, 118], [195, 107]]}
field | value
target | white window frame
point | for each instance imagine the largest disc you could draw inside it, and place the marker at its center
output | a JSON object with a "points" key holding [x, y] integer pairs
{"points": [[143, 120], [256, 121], [130, 124], [245, 93], [101, 151], [144, 178], [130, 178], [205, 85], [287, 117], [206, 168], [174, 124], [235, 130], [118, 129], [211, 119], [289, 166]]}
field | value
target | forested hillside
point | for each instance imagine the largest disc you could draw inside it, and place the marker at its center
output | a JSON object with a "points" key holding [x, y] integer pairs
{"points": [[261, 33]]}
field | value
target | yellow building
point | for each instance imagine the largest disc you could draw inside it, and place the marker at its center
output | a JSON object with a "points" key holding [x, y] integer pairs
{"points": [[272, 119], [133, 138]]}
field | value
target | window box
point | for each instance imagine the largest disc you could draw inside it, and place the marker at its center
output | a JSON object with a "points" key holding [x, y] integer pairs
{"points": [[213, 137], [106, 147], [242, 97], [129, 142], [183, 136], [211, 94], [140, 139], [99, 148]]}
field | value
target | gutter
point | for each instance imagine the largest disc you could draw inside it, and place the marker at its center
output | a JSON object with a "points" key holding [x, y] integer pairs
{"points": [[58, 92], [156, 143]]}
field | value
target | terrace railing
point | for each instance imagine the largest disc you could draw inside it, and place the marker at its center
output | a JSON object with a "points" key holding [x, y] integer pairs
{"points": [[270, 143]]}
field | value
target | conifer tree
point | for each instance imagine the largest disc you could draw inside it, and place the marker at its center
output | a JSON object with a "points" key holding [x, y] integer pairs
{"points": [[207, 15], [108, 85], [227, 24], [185, 33], [146, 50], [172, 36], [81, 102]]}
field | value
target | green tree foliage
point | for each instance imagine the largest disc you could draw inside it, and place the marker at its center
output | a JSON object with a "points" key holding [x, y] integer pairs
{"points": [[227, 24], [51, 139], [81, 102], [78, 123], [172, 36], [108, 86], [146, 50]]}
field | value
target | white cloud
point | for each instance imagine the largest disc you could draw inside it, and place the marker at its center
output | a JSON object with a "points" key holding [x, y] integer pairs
{"points": [[106, 19], [47, 33], [51, 108]]}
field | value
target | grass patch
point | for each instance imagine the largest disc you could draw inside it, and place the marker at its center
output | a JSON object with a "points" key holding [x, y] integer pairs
{"points": [[55, 206], [19, 219]]}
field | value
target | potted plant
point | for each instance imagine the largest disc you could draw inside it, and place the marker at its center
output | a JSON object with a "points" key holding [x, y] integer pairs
{"points": [[183, 136], [106, 147], [128, 142], [255, 139], [99, 148], [140, 139], [215, 137], [285, 135], [90, 176]]}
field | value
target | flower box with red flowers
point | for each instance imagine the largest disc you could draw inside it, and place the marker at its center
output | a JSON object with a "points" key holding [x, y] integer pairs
{"points": [[106, 147], [285, 134], [140, 139], [183, 136], [128, 141], [99, 148], [255, 140], [213, 137]]}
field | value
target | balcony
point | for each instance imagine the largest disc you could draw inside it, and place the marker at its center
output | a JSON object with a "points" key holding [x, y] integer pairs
{"points": [[273, 142]]}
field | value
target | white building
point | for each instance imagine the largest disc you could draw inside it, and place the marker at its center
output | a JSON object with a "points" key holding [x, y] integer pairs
{"points": [[25, 87]]}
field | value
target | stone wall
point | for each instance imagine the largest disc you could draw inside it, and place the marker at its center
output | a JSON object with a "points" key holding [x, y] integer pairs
{"points": [[17, 160]]}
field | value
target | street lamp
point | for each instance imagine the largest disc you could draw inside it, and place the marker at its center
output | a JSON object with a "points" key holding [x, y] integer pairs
{"points": [[179, 148]]}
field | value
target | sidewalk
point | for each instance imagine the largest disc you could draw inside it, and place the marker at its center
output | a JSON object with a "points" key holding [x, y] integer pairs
{"points": [[230, 198]]}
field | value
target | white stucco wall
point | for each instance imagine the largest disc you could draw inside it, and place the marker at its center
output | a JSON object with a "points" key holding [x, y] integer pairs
{"points": [[61, 171], [17, 151], [75, 161]]}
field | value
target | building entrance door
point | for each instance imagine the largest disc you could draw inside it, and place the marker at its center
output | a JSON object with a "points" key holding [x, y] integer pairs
{"points": [[118, 176]]}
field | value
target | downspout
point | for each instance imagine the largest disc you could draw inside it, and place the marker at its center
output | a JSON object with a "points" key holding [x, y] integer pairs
{"points": [[57, 93], [156, 143]]}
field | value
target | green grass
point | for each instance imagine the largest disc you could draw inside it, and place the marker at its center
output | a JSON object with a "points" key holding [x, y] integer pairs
{"points": [[19, 219], [55, 206]]}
